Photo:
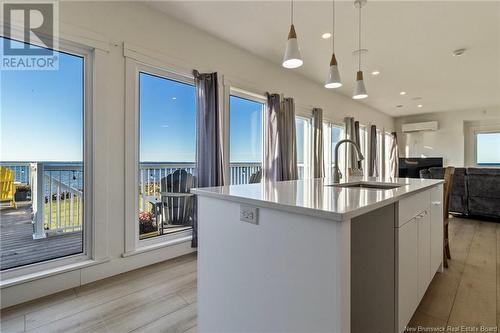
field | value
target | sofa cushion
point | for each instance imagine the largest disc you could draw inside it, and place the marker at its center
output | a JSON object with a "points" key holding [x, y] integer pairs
{"points": [[458, 199], [484, 192]]}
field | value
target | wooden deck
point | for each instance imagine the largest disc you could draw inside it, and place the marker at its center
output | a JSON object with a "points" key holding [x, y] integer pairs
{"points": [[17, 246]]}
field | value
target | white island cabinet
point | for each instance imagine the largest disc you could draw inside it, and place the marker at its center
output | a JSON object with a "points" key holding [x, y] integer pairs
{"points": [[311, 256]]}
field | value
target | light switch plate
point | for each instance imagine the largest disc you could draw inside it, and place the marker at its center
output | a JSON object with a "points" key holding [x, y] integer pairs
{"points": [[248, 214]]}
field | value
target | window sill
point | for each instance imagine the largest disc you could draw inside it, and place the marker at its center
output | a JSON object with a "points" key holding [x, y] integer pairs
{"points": [[157, 246], [49, 272]]}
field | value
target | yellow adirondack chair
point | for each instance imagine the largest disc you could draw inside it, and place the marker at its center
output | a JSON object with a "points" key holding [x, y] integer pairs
{"points": [[7, 187]]}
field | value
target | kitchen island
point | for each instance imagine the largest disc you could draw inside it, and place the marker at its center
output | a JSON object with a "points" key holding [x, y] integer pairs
{"points": [[313, 256]]}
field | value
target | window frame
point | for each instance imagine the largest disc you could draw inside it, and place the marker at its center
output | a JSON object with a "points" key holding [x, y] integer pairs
{"points": [[329, 148], [134, 245], [250, 96], [363, 138], [235, 88], [308, 145], [483, 131], [90, 252]]}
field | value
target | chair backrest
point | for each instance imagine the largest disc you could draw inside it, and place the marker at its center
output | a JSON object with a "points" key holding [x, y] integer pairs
{"points": [[7, 188], [448, 184], [256, 177], [177, 210], [180, 181]]}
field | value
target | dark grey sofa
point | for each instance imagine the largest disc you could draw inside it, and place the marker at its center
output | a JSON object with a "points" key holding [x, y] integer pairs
{"points": [[484, 192], [475, 191]]}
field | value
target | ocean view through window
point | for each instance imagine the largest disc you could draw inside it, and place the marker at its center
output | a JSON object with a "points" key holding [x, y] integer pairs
{"points": [[167, 150], [42, 162], [245, 140]]}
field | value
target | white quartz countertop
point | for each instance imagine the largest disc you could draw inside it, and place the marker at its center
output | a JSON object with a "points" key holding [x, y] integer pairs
{"points": [[316, 197]]}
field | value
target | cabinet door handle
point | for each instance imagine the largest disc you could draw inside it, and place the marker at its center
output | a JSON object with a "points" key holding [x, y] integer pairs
{"points": [[421, 215], [436, 203]]}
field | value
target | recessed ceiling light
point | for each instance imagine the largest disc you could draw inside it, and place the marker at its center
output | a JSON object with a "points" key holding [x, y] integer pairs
{"points": [[326, 35], [402, 93], [174, 98], [419, 106], [399, 106], [458, 52], [375, 73]]}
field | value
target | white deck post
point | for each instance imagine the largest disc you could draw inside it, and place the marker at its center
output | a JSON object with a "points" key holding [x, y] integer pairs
{"points": [[38, 199]]}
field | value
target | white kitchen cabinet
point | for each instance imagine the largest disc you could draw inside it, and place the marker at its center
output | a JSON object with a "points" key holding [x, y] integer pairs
{"points": [[419, 233], [407, 272], [436, 228], [423, 221]]}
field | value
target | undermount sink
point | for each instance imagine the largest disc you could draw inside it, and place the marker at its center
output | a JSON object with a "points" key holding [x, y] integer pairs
{"points": [[369, 185]]}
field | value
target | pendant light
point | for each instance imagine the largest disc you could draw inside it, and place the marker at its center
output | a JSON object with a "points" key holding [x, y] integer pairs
{"points": [[333, 79], [292, 58], [359, 88]]}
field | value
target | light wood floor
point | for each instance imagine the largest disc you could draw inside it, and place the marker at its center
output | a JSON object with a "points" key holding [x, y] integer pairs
{"points": [[17, 246], [162, 297], [468, 292]]}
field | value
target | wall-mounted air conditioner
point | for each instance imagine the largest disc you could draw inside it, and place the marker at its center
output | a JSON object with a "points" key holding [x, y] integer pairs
{"points": [[417, 127]]}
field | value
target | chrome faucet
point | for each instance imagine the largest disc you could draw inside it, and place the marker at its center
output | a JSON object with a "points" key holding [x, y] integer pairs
{"points": [[336, 172]]}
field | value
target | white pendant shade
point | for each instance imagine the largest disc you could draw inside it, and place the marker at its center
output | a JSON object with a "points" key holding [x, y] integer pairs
{"points": [[292, 58], [359, 88], [333, 79]]}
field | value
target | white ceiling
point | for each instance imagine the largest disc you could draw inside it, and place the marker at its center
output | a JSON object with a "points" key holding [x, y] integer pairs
{"points": [[409, 42]]}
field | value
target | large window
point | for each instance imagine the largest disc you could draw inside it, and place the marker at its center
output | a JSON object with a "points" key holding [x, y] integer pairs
{"points": [[167, 150], [302, 132], [488, 149], [42, 151], [245, 140], [338, 134]]}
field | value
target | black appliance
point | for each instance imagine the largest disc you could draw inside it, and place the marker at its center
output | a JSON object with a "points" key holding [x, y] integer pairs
{"points": [[409, 167]]}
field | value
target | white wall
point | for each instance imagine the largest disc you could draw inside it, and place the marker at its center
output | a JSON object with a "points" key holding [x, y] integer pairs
{"points": [[142, 26], [115, 23], [452, 140]]}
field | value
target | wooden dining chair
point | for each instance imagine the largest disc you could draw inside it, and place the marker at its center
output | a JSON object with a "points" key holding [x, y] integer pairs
{"points": [[448, 184]]}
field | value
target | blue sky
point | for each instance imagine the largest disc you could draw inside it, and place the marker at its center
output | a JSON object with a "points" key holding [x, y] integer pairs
{"points": [[41, 113], [245, 130], [41, 118], [167, 120]]}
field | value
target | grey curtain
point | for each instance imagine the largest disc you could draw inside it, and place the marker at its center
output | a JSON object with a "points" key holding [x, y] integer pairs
{"points": [[288, 140], [372, 155], [209, 159], [281, 147], [394, 157], [352, 161], [273, 168], [317, 126]]}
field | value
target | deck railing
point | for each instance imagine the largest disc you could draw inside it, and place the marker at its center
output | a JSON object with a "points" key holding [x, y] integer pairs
{"points": [[57, 194], [57, 189], [150, 175]]}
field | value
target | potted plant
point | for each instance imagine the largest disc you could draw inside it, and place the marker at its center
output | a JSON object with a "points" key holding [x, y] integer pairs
{"points": [[146, 223], [23, 192]]}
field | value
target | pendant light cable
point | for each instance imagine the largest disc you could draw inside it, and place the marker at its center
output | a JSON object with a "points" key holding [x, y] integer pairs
{"points": [[359, 39], [291, 18], [333, 26]]}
